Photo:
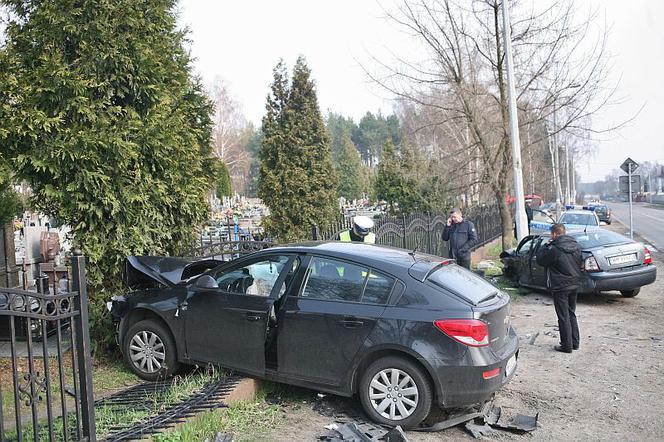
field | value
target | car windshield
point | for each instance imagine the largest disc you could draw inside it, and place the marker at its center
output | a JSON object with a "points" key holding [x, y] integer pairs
{"points": [[581, 219], [541, 217], [463, 283], [598, 238]]}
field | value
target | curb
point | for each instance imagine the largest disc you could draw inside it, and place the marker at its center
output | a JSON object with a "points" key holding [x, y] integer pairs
{"points": [[245, 390]]}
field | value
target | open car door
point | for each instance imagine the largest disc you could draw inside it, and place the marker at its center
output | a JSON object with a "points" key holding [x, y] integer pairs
{"points": [[227, 324]]}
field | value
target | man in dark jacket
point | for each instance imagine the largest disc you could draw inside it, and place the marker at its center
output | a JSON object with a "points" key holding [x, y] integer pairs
{"points": [[562, 258], [462, 237]]}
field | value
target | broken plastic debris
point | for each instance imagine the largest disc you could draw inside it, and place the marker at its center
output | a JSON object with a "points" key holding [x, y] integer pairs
{"points": [[478, 431], [519, 423]]}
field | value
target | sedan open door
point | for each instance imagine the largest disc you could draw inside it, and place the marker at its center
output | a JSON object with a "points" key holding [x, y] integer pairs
{"points": [[227, 316]]}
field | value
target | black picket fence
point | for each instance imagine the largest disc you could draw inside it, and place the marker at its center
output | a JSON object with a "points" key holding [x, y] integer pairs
{"points": [[50, 397], [421, 231]]}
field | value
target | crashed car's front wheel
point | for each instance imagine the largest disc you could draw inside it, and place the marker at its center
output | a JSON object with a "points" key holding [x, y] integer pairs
{"points": [[149, 351], [395, 391]]}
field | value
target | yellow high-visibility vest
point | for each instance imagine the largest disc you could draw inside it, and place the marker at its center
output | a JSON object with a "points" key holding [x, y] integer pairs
{"points": [[370, 238]]}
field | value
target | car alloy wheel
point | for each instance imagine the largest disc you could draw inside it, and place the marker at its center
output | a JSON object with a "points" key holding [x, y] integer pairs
{"points": [[407, 385], [147, 351], [393, 394]]}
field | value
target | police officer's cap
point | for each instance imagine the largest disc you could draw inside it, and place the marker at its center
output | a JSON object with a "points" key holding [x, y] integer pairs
{"points": [[363, 224]]}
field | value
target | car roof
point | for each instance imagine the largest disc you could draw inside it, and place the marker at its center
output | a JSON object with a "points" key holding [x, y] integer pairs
{"points": [[374, 255]]}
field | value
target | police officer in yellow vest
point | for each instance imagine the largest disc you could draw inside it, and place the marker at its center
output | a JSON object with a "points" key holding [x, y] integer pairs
{"points": [[360, 231]]}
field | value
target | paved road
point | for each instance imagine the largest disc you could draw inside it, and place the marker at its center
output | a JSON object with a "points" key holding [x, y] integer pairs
{"points": [[648, 221]]}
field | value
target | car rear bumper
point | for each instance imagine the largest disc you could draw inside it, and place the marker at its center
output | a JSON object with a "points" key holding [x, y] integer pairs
{"points": [[464, 384], [627, 280]]}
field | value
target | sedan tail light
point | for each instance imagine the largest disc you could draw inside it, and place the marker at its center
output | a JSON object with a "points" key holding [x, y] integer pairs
{"points": [[471, 332], [647, 257], [590, 264]]}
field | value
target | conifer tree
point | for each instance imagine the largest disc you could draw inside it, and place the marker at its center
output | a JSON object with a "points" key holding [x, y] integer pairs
{"points": [[297, 180], [100, 114], [348, 165]]}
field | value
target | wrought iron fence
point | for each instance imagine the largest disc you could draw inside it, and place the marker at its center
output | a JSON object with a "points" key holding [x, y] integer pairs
{"points": [[226, 250], [421, 231], [51, 384]]}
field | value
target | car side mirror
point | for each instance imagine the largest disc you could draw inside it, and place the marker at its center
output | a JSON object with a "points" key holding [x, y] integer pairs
{"points": [[206, 282]]}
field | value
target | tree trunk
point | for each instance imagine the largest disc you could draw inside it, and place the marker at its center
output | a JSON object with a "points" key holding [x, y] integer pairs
{"points": [[505, 222]]}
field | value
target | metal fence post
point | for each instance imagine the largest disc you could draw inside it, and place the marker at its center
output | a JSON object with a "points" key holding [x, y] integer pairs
{"points": [[81, 323], [315, 232], [429, 248], [403, 229]]}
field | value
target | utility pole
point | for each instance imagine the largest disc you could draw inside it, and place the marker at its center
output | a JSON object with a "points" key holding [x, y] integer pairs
{"points": [[520, 215], [573, 179]]}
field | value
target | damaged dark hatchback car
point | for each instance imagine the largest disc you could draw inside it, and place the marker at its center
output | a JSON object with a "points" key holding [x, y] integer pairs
{"points": [[402, 330]]}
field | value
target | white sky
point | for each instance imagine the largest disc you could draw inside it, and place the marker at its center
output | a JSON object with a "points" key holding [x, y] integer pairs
{"points": [[241, 42]]}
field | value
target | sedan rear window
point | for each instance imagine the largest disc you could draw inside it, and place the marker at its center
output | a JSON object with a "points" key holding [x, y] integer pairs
{"points": [[598, 238], [463, 283]]}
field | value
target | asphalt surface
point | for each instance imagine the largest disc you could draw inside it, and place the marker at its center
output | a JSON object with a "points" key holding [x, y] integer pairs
{"points": [[648, 221]]}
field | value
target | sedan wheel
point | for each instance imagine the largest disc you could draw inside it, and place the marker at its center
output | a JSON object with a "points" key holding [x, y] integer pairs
{"points": [[630, 293], [149, 351], [393, 394], [395, 391]]}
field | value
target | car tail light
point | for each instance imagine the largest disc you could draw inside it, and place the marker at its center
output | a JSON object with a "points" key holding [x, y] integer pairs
{"points": [[471, 332], [647, 257], [590, 264]]}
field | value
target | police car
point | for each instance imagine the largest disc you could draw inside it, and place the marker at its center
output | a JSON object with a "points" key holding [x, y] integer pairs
{"points": [[572, 218], [584, 218]]}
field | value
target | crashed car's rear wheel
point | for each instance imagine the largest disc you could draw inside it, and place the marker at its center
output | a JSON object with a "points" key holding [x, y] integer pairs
{"points": [[395, 391], [149, 351], [630, 293]]}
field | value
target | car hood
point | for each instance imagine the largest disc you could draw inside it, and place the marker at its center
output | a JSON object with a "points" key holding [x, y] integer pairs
{"points": [[142, 272]]}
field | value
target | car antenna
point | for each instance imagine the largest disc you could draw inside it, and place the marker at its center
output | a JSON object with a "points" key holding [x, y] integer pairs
{"points": [[419, 242]]}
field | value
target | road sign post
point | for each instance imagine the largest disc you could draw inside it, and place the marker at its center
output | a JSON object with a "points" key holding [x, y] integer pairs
{"points": [[629, 166], [629, 175]]}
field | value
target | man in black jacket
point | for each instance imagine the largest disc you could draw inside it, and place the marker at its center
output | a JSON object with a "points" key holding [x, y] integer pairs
{"points": [[562, 258], [462, 236]]}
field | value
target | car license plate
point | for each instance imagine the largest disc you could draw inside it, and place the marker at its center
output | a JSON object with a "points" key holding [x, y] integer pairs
{"points": [[622, 259], [511, 365]]}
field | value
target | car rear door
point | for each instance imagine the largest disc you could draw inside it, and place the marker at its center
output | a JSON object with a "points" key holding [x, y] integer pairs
{"points": [[325, 322], [228, 325]]}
